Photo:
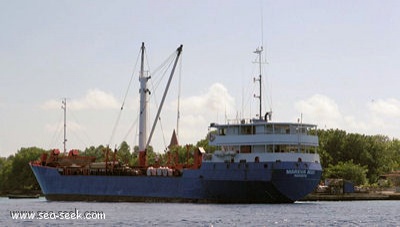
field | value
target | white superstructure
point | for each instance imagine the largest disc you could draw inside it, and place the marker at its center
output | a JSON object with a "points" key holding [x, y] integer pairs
{"points": [[261, 141]]}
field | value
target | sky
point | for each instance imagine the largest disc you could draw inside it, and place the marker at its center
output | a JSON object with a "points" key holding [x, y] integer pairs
{"points": [[330, 63]]}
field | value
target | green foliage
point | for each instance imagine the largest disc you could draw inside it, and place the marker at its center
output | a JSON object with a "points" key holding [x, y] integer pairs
{"points": [[5, 172], [151, 157], [204, 144], [15, 173], [378, 153], [185, 154], [330, 146], [124, 153], [97, 152], [347, 171]]}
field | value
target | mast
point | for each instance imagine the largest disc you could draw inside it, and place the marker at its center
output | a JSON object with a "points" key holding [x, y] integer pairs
{"points": [[179, 51], [259, 51], [64, 107], [144, 92]]}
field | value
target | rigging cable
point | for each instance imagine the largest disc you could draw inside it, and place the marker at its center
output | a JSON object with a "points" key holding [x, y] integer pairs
{"points": [[135, 123], [166, 68], [57, 133], [178, 51], [179, 97], [266, 83], [131, 129], [161, 67], [76, 135], [250, 90], [123, 102]]}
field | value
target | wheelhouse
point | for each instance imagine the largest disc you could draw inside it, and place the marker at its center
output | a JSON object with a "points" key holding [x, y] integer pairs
{"points": [[258, 136]]}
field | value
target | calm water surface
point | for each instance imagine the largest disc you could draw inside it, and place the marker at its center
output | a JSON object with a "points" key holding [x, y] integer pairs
{"points": [[355, 213]]}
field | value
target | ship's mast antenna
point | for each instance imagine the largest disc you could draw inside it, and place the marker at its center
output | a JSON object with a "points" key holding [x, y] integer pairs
{"points": [[259, 51], [64, 107], [144, 91]]}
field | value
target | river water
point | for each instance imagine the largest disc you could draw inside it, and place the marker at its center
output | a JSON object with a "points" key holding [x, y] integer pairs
{"points": [[353, 213]]}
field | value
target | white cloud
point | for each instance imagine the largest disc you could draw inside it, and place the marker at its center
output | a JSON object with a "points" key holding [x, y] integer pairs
{"points": [[51, 104], [384, 116], [217, 99], [191, 122], [197, 112], [321, 109], [354, 124], [377, 117], [389, 107], [94, 99]]}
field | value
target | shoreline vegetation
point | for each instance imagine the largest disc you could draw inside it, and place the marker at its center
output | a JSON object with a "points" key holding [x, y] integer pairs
{"points": [[369, 162]]}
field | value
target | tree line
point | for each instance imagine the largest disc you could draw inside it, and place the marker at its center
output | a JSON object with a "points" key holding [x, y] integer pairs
{"points": [[356, 157], [350, 156]]}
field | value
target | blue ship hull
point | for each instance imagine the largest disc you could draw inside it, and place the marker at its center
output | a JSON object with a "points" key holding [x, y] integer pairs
{"points": [[264, 182]]}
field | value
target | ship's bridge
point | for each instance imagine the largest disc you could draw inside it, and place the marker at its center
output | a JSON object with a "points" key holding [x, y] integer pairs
{"points": [[257, 136]]}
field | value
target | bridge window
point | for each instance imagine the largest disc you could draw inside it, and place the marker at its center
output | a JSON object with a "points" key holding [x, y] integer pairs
{"points": [[269, 129], [245, 149], [247, 130]]}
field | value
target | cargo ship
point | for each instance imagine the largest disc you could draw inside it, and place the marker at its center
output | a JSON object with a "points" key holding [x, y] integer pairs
{"points": [[256, 160]]}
